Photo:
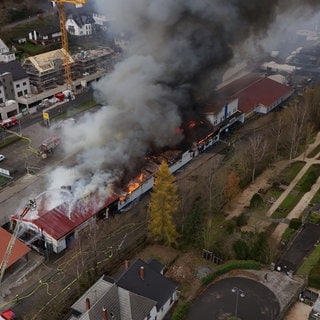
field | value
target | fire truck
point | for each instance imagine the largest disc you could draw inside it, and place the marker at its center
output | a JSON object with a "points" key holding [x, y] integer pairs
{"points": [[8, 123], [48, 145]]}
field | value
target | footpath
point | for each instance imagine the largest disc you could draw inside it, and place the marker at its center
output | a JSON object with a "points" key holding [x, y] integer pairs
{"points": [[239, 204]]}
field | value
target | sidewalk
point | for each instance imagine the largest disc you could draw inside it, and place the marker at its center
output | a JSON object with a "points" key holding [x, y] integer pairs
{"points": [[243, 200], [305, 200]]}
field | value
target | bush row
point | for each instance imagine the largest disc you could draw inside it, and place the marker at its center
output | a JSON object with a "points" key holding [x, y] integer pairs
{"points": [[231, 265]]}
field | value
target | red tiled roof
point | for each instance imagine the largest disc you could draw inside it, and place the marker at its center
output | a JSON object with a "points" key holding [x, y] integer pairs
{"points": [[251, 90], [58, 222], [264, 92], [19, 249]]}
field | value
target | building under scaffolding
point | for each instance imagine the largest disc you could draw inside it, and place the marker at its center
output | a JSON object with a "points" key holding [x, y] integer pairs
{"points": [[46, 70]]}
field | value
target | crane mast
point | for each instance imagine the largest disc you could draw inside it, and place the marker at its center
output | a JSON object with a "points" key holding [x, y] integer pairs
{"points": [[31, 204], [64, 35]]}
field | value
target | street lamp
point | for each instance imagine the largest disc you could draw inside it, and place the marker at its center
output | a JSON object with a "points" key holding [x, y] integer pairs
{"points": [[238, 292]]}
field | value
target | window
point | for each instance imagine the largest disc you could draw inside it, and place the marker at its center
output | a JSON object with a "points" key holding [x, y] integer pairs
{"points": [[20, 93], [25, 91], [18, 85], [24, 83], [1, 100]]}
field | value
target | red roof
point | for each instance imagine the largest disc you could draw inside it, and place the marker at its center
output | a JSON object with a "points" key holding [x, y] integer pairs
{"points": [[19, 249], [60, 221], [251, 90], [263, 91]]}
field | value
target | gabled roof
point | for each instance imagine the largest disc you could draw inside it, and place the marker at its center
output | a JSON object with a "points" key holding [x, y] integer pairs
{"points": [[63, 219], [153, 285], [19, 249], [48, 29], [251, 91], [264, 92], [45, 62], [82, 19], [15, 69], [118, 302]]}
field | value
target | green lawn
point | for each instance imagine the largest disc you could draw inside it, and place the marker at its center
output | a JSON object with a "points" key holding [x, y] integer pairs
{"points": [[288, 234], [310, 262], [290, 172], [314, 152], [304, 185]]}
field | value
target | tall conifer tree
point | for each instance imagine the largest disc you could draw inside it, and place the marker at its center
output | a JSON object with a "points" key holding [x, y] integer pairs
{"points": [[164, 204]]}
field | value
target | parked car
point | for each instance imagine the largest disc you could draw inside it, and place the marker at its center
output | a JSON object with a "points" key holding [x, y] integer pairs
{"points": [[2, 157]]}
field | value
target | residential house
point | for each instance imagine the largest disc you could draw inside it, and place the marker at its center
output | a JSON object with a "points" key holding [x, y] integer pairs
{"points": [[6, 55], [141, 292], [46, 35], [80, 25]]}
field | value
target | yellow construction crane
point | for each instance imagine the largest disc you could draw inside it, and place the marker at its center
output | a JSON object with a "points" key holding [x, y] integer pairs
{"points": [[64, 34]]}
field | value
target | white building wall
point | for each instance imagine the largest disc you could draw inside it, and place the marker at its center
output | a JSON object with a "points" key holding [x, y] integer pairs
{"points": [[153, 315], [224, 113], [2, 95], [22, 87], [167, 306], [8, 106]]}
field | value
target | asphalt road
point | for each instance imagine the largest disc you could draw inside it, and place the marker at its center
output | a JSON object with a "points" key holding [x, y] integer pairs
{"points": [[302, 245], [219, 301], [22, 157]]}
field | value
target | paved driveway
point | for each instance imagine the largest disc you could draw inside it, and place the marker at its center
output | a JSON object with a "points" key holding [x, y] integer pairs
{"points": [[218, 301]]}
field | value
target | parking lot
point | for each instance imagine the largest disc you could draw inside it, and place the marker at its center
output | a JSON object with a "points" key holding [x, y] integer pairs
{"points": [[220, 300]]}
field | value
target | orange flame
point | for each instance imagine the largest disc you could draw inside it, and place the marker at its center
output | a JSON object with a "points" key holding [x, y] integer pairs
{"points": [[133, 185]]}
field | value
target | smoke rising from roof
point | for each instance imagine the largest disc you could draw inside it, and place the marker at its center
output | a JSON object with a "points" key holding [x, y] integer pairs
{"points": [[175, 48]]}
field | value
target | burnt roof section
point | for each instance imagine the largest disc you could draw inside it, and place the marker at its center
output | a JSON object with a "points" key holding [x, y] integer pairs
{"points": [[153, 285], [15, 69]]}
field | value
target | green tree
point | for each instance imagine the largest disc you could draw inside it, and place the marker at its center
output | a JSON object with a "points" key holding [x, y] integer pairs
{"points": [[164, 204]]}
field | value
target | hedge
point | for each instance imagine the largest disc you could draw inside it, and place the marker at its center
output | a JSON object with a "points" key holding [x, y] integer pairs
{"points": [[231, 265], [181, 311]]}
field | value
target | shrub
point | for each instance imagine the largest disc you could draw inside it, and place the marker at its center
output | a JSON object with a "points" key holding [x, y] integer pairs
{"points": [[241, 220], [295, 223], [181, 311], [230, 226], [256, 201]]}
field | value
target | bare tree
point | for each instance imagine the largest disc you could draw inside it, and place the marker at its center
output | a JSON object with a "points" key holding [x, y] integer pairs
{"points": [[256, 152]]}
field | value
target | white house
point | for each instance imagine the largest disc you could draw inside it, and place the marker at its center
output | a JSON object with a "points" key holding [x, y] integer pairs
{"points": [[5, 54], [141, 292], [80, 25]]}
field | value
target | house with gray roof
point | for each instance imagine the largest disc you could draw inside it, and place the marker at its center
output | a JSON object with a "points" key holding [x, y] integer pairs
{"points": [[140, 292]]}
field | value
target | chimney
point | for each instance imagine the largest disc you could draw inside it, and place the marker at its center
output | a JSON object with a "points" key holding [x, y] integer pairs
{"points": [[142, 273], [126, 264], [88, 304], [104, 314]]}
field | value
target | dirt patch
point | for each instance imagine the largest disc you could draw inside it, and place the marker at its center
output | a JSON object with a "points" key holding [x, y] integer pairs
{"points": [[181, 268]]}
